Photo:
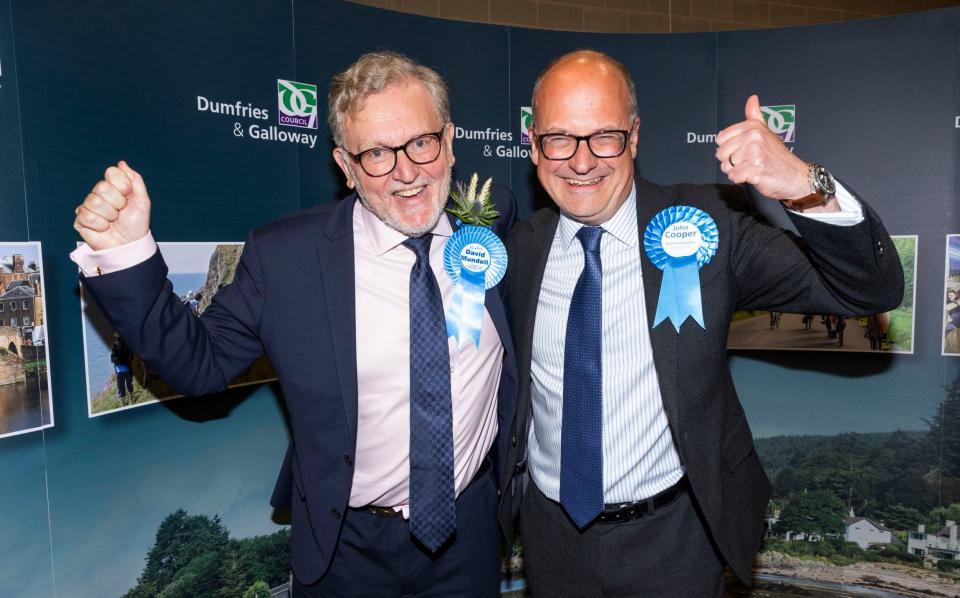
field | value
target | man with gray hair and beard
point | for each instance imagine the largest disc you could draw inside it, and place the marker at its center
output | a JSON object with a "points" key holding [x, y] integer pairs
{"points": [[391, 475]]}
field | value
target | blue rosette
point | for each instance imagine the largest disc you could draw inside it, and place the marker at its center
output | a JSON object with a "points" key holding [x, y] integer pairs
{"points": [[680, 240], [475, 260]]}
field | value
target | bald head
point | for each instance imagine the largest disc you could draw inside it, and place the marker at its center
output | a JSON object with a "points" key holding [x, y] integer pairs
{"points": [[585, 102], [584, 66]]}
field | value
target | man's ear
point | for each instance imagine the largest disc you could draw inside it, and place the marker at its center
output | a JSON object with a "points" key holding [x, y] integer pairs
{"points": [[534, 147], [340, 157], [448, 134]]}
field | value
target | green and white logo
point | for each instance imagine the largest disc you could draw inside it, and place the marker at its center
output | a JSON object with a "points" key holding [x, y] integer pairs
{"points": [[526, 119], [297, 103], [782, 120]]}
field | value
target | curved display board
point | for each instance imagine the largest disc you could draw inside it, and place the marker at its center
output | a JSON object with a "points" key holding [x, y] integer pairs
{"points": [[221, 106]]}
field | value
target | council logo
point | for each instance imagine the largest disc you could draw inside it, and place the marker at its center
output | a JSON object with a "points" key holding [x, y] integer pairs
{"points": [[297, 103], [526, 119], [782, 120]]}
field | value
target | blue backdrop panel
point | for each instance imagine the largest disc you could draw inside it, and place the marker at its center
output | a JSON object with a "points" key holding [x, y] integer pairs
{"points": [[25, 541], [472, 58], [13, 224], [874, 102], [26, 568], [106, 82]]}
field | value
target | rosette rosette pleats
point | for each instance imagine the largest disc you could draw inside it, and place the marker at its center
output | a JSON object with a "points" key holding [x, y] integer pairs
{"points": [[475, 260], [680, 240]]}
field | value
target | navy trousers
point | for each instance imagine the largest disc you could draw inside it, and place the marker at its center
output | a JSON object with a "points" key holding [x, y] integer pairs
{"points": [[376, 557]]}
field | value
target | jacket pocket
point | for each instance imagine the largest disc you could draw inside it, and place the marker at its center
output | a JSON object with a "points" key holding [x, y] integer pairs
{"points": [[738, 445]]}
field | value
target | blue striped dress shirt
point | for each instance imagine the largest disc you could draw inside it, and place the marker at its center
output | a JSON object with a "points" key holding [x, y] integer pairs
{"points": [[639, 458]]}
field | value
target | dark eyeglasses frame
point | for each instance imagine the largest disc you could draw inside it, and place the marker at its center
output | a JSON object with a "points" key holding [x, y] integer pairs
{"points": [[579, 138], [358, 157]]}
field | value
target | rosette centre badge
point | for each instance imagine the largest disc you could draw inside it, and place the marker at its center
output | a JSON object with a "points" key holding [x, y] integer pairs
{"points": [[680, 240], [474, 259]]}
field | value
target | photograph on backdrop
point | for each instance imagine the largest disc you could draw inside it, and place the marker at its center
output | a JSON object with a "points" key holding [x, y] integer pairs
{"points": [[890, 332], [116, 378], [24, 382], [951, 291]]}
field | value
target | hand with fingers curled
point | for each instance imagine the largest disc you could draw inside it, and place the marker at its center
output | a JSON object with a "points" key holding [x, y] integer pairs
{"points": [[116, 211], [749, 152]]}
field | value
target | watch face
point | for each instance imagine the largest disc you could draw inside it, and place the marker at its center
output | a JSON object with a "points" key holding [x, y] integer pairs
{"points": [[825, 182]]}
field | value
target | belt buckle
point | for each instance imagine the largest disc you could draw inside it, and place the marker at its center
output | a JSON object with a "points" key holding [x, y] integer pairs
{"points": [[382, 511], [641, 508], [626, 512]]}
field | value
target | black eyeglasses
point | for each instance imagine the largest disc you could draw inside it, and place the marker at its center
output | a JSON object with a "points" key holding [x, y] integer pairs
{"points": [[380, 161], [602, 144]]}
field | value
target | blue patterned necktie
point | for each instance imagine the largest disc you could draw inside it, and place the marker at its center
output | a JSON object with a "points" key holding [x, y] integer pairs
{"points": [[581, 440], [433, 513]]}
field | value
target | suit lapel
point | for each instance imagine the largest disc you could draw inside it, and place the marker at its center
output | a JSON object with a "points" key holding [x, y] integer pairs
{"points": [[663, 338], [532, 262], [339, 290]]}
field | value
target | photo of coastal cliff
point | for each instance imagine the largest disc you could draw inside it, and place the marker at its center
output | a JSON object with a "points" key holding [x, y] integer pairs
{"points": [[890, 332], [25, 398], [117, 379]]}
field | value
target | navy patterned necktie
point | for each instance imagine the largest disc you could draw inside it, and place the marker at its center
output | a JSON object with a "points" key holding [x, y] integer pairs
{"points": [[581, 440], [433, 513]]}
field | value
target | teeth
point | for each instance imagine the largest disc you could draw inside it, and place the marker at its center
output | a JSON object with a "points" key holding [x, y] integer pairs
{"points": [[575, 182], [409, 192]]}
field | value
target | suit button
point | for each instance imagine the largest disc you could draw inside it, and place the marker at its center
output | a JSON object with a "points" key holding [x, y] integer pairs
{"points": [[513, 440], [335, 513], [348, 460], [880, 247]]}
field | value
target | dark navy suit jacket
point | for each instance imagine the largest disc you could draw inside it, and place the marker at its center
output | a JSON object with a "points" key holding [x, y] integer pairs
{"points": [[834, 270], [292, 298]]}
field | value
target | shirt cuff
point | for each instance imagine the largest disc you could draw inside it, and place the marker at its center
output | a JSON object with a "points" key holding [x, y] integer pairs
{"points": [[105, 261], [850, 213]]}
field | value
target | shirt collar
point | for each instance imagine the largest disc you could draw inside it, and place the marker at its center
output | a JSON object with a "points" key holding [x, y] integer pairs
{"points": [[622, 226], [384, 238]]}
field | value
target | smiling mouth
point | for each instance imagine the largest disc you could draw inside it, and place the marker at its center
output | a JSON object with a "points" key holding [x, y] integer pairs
{"points": [[586, 183], [408, 193]]}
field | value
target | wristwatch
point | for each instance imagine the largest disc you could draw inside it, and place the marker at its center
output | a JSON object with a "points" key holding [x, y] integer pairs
{"points": [[822, 189]]}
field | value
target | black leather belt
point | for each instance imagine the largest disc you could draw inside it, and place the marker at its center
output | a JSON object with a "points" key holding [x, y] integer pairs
{"points": [[619, 513], [391, 512]]}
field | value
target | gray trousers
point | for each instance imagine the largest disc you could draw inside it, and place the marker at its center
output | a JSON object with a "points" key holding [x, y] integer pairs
{"points": [[666, 554]]}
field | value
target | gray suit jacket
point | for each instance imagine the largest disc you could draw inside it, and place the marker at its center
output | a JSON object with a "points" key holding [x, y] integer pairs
{"points": [[833, 269]]}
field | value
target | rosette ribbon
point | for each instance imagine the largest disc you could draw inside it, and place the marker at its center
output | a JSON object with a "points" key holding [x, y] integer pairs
{"points": [[680, 295], [475, 260]]}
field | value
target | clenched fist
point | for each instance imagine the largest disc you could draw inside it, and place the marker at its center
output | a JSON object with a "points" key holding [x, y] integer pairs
{"points": [[116, 211]]}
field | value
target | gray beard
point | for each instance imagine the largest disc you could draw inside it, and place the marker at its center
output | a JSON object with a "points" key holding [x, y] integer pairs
{"points": [[399, 226]]}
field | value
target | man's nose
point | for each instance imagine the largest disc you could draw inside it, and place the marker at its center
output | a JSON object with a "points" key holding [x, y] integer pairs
{"points": [[406, 170], [582, 161]]}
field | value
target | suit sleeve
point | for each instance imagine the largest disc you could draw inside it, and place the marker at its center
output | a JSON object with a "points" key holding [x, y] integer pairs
{"points": [[843, 270], [194, 355]]}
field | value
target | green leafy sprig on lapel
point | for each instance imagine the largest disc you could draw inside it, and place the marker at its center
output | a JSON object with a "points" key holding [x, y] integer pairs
{"points": [[472, 207]]}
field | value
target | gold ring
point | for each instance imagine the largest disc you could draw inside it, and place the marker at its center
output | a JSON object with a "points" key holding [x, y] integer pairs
{"points": [[730, 160]]}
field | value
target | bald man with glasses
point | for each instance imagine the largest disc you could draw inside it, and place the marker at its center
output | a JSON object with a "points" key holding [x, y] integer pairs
{"points": [[643, 476], [398, 432]]}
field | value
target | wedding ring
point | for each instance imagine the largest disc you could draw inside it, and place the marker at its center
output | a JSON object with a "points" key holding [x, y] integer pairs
{"points": [[730, 160]]}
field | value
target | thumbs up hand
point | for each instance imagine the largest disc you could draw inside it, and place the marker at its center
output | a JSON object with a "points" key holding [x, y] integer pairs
{"points": [[749, 152], [116, 211]]}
